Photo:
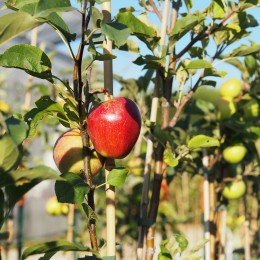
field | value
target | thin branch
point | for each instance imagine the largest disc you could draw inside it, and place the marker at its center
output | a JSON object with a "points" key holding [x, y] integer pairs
{"points": [[155, 9], [203, 34], [78, 91]]}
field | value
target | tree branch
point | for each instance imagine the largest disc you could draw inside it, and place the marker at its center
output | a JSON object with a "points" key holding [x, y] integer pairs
{"points": [[78, 91], [203, 34], [155, 9]]}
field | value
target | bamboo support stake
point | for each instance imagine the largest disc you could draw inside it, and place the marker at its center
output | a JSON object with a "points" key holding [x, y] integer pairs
{"points": [[247, 240], [212, 219], [110, 190], [222, 236], [70, 230], [206, 205], [149, 149]]}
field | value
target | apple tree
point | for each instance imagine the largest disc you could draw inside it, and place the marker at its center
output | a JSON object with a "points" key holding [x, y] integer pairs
{"points": [[181, 130]]}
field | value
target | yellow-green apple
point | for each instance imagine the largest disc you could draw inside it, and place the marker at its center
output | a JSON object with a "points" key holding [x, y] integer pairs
{"points": [[235, 153], [231, 88], [53, 207], [114, 126], [226, 108], [68, 154], [64, 209], [234, 190], [251, 109], [136, 166]]}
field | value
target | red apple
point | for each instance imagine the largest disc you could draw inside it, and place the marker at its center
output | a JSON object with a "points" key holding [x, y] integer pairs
{"points": [[114, 126], [68, 154]]}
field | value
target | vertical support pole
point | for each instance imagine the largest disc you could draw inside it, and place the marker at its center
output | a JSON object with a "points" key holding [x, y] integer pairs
{"points": [[110, 190], [247, 240], [70, 228], [206, 205], [20, 225]]}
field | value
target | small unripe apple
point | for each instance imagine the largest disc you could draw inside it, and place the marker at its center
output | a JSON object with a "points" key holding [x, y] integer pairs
{"points": [[136, 166], [68, 154], [64, 209], [234, 154], [226, 108], [231, 88], [251, 109], [234, 190], [114, 126], [53, 207]]}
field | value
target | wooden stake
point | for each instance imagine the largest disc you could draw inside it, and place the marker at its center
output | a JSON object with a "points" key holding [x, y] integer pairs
{"points": [[70, 230], [206, 206], [247, 240], [212, 218], [110, 190]]}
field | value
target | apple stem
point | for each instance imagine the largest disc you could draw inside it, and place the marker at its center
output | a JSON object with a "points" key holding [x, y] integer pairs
{"points": [[78, 92]]}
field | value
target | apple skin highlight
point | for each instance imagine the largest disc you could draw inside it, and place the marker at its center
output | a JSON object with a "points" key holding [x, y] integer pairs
{"points": [[114, 127]]}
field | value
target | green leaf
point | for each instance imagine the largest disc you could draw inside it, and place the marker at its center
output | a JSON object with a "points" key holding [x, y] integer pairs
{"points": [[169, 158], [72, 189], [44, 107], [40, 8], [29, 58], [117, 176], [89, 212], [251, 64], [200, 245], [99, 56], [217, 9], [19, 177], [202, 141], [96, 17], [17, 183], [214, 73], [9, 154], [116, 32], [130, 46], [136, 26], [182, 241], [14, 24], [44, 8], [54, 246], [198, 64], [17, 129], [185, 24], [244, 50], [60, 26]]}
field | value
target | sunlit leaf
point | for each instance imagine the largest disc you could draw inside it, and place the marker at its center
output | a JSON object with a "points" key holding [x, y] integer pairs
{"points": [[117, 176], [202, 141]]}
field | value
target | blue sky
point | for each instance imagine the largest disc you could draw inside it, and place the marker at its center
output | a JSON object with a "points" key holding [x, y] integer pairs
{"points": [[123, 64]]}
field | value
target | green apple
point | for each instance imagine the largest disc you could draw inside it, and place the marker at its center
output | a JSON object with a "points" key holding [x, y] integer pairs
{"points": [[251, 109], [231, 88], [208, 94], [234, 190], [234, 154], [64, 209], [53, 207], [68, 154], [226, 108], [136, 166]]}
